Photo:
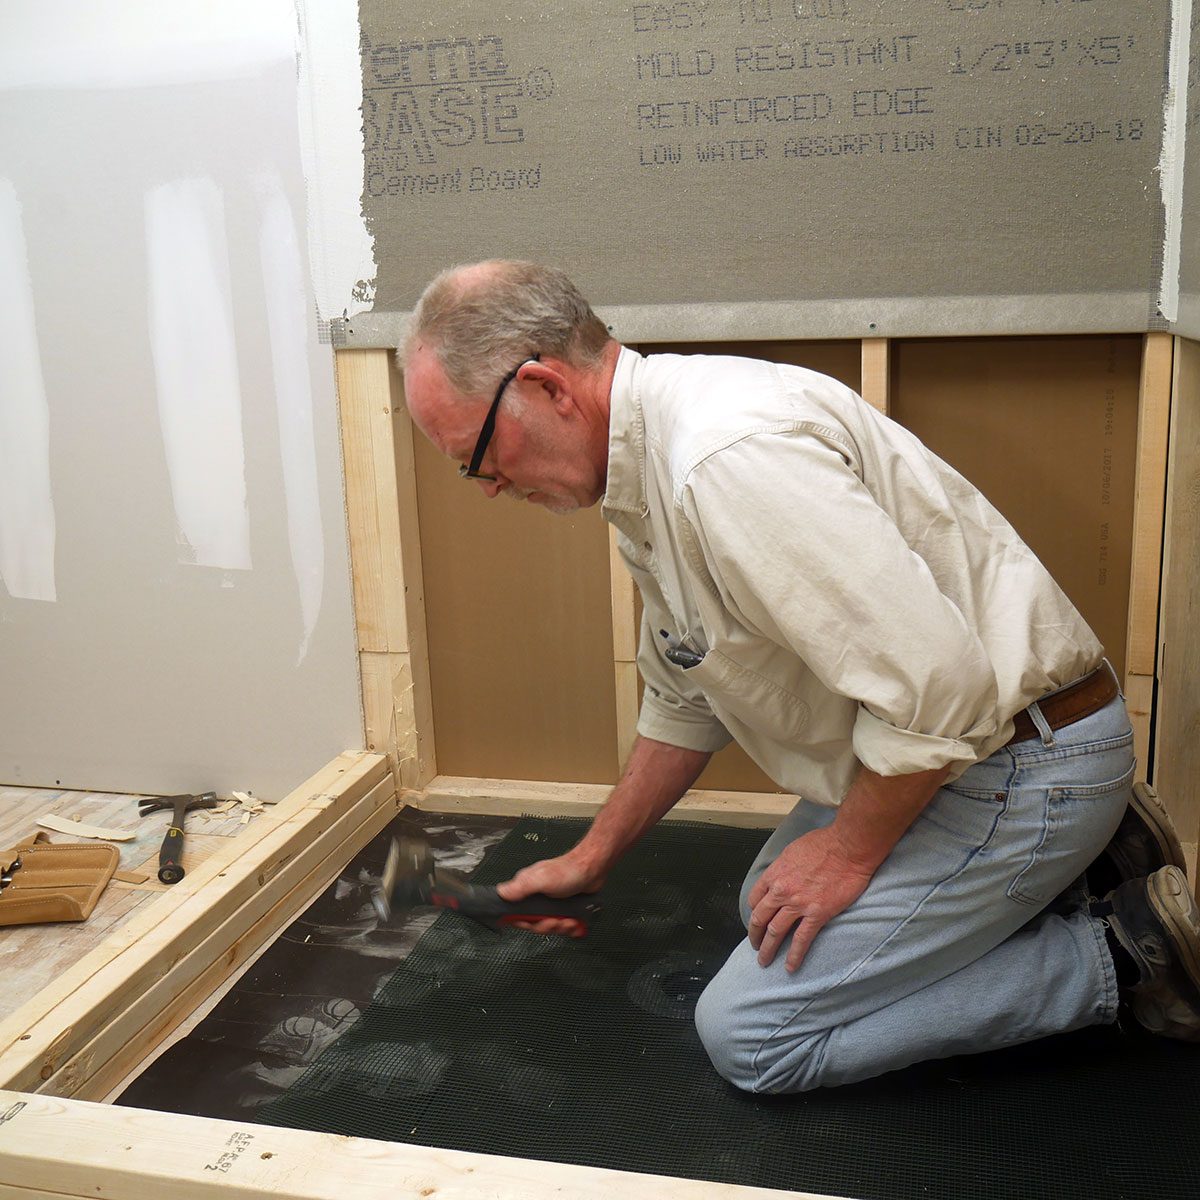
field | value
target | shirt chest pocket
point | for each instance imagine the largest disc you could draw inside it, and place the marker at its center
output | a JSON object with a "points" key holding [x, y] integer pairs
{"points": [[751, 699]]}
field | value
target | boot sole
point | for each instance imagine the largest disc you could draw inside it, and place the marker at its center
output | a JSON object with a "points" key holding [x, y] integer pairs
{"points": [[1168, 892], [1154, 816]]}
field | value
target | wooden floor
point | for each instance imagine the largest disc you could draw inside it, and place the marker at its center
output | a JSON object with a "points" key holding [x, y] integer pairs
{"points": [[32, 955]]}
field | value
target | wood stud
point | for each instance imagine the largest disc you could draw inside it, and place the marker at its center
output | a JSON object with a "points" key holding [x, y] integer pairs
{"points": [[1177, 725], [625, 644], [1141, 650], [385, 550], [876, 373]]}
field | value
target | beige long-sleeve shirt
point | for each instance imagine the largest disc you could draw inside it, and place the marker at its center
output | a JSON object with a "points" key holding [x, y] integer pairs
{"points": [[854, 599]]}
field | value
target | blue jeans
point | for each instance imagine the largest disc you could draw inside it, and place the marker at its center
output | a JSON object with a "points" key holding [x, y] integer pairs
{"points": [[955, 947]]}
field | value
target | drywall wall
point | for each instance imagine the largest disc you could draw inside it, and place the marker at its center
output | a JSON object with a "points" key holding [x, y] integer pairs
{"points": [[175, 606], [800, 167]]}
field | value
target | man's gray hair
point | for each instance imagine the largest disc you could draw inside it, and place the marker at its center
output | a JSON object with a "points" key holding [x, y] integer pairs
{"points": [[484, 319]]}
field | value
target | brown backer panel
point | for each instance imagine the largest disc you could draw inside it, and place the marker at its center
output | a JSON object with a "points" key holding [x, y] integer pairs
{"points": [[732, 770], [1177, 762], [520, 633], [841, 359], [1046, 428]]}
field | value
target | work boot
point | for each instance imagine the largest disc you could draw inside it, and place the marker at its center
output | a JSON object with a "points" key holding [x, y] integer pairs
{"points": [[1144, 842], [1157, 923]]}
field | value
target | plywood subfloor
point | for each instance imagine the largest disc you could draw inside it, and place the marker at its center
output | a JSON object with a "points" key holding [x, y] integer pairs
{"points": [[32, 955]]}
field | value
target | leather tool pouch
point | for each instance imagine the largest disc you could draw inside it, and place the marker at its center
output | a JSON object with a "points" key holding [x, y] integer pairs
{"points": [[53, 882]]}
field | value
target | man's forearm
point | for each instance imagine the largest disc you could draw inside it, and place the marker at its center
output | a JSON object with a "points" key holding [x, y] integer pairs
{"points": [[654, 779], [877, 811]]}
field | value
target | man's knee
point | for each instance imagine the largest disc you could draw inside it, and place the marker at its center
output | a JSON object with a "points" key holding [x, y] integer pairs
{"points": [[728, 1051], [748, 1056], [747, 884]]}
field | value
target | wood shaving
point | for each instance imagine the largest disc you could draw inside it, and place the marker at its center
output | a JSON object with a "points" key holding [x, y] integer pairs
{"points": [[78, 829]]}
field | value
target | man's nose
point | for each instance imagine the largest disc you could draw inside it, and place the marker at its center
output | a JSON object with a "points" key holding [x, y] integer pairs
{"points": [[492, 487]]}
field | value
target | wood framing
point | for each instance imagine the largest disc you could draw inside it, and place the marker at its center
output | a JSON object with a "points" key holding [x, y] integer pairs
{"points": [[877, 373], [1177, 754], [625, 645], [51, 1147], [34, 956], [104, 1014], [1141, 654], [449, 794], [385, 552]]}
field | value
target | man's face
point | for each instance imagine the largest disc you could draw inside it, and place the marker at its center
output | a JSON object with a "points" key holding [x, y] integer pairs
{"points": [[538, 449]]}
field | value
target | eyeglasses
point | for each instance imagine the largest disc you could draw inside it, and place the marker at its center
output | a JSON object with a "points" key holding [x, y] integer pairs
{"points": [[489, 426]]}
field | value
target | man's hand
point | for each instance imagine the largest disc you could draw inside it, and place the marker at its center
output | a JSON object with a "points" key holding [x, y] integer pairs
{"points": [[810, 882], [655, 776], [567, 875], [822, 873]]}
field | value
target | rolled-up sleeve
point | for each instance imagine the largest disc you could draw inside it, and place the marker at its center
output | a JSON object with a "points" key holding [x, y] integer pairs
{"points": [[808, 558]]}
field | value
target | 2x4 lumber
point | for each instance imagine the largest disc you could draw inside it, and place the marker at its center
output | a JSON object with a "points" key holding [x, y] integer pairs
{"points": [[132, 1037], [1139, 701], [625, 629], [1177, 728], [1150, 481], [37, 1040], [73, 1149], [416, 749], [625, 643], [343, 773], [516, 797], [385, 555], [373, 510], [628, 707], [392, 720], [1154, 411], [876, 373]]}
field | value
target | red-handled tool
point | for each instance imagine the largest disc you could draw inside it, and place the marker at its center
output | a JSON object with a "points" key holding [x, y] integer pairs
{"points": [[410, 877]]}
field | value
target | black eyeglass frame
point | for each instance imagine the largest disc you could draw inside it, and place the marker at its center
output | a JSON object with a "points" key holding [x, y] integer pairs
{"points": [[489, 426]]}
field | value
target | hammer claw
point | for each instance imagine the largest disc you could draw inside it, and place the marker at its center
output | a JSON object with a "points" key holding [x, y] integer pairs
{"points": [[170, 868]]}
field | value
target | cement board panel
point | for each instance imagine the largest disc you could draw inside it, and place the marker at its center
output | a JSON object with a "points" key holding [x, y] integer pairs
{"points": [[732, 152]]}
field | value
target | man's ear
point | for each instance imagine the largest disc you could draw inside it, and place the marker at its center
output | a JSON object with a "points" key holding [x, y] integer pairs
{"points": [[552, 381]]}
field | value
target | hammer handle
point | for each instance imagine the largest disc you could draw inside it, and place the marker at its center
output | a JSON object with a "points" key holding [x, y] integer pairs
{"points": [[170, 856]]}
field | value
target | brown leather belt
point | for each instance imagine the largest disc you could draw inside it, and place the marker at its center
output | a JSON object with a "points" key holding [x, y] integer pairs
{"points": [[1080, 699]]}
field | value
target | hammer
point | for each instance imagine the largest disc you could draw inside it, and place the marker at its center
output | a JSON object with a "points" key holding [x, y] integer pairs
{"points": [[170, 857], [410, 877]]}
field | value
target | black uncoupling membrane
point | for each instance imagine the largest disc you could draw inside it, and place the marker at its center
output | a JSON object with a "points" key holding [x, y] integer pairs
{"points": [[585, 1052]]}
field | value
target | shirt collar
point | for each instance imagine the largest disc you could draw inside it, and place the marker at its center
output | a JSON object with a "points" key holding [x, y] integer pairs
{"points": [[626, 490]]}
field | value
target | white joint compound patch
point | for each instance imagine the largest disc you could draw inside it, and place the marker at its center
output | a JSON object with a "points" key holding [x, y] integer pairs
{"points": [[287, 316], [195, 364], [340, 247], [27, 527]]}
